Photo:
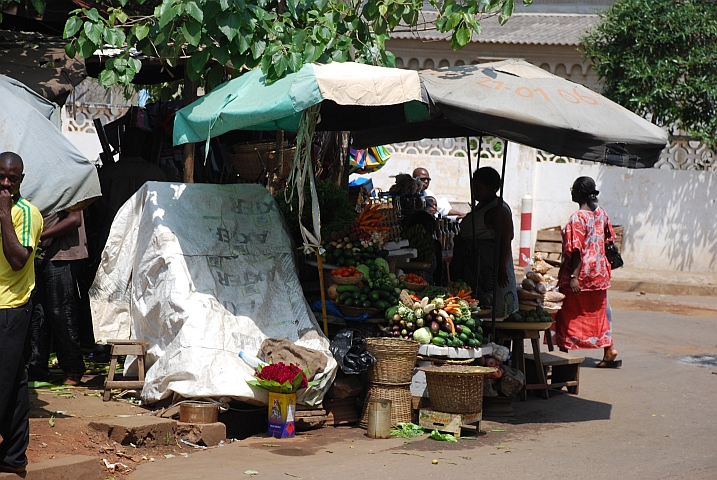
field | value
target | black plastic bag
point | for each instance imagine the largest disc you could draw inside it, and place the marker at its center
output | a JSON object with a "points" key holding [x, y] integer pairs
{"points": [[349, 350]]}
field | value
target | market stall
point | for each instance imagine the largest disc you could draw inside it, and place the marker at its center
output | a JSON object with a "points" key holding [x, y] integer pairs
{"points": [[363, 284]]}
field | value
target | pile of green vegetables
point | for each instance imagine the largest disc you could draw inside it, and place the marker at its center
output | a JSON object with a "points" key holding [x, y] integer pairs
{"points": [[336, 212]]}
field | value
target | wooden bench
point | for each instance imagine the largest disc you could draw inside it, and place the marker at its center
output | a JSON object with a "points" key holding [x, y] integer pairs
{"points": [[560, 370], [120, 348]]}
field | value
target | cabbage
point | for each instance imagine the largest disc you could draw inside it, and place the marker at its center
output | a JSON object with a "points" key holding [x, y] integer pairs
{"points": [[382, 265], [423, 335]]}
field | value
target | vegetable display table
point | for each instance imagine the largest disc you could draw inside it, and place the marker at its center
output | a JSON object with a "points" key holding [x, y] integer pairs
{"points": [[454, 352], [516, 333]]}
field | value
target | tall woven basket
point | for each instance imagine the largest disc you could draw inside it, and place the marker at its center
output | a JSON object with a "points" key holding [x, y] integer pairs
{"points": [[395, 360], [400, 396], [456, 388]]}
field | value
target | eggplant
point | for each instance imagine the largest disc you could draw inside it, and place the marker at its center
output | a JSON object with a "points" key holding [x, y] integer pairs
{"points": [[410, 326], [459, 329], [397, 318], [435, 327], [446, 327], [396, 328]]}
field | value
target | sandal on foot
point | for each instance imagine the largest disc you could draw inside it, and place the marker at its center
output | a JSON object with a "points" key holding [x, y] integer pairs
{"points": [[72, 381], [609, 364]]}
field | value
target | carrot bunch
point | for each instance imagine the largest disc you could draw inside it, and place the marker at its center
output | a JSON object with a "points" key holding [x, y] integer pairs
{"points": [[370, 220], [466, 295], [452, 306]]}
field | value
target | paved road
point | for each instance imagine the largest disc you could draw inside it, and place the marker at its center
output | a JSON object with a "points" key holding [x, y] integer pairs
{"points": [[653, 419]]}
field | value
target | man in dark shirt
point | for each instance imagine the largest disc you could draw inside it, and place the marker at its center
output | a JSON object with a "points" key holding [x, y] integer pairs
{"points": [[120, 180]]}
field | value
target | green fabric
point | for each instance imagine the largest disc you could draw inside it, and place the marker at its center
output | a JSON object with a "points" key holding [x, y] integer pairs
{"points": [[248, 103]]}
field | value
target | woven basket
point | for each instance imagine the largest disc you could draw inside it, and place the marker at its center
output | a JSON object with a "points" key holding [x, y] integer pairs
{"points": [[255, 162], [357, 311], [395, 360], [416, 287], [446, 361], [400, 396], [347, 280], [455, 388]]}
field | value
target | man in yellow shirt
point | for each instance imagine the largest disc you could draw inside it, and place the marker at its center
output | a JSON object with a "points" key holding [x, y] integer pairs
{"points": [[20, 229]]}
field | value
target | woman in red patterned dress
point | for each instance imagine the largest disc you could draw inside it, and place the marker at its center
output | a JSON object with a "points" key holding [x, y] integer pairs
{"points": [[584, 278]]}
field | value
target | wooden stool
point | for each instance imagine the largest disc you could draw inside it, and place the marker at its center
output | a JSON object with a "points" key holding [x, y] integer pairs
{"points": [[125, 347], [560, 370], [516, 337]]}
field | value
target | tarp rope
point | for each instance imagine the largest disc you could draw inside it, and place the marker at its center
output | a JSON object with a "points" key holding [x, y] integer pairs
{"points": [[301, 171]]}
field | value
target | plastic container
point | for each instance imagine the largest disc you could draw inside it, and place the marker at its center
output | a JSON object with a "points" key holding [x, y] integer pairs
{"points": [[250, 359], [379, 418]]}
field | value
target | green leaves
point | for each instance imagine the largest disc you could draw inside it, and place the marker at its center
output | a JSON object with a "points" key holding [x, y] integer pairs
{"points": [[228, 24], [72, 26], [213, 33], [140, 31], [662, 70]]}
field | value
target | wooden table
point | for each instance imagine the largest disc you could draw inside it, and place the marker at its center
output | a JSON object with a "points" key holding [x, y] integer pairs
{"points": [[516, 333]]}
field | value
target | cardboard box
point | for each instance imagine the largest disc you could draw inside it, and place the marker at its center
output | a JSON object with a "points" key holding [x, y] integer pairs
{"points": [[281, 414], [448, 422]]}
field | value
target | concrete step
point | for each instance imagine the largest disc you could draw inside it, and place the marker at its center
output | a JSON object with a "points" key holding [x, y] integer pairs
{"points": [[141, 429], [74, 467]]}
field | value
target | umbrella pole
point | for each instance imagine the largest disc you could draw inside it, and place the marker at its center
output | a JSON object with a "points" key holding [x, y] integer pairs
{"points": [[320, 262], [498, 226], [473, 201]]}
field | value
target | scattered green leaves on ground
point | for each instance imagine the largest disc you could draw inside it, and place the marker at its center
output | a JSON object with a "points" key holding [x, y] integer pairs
{"points": [[442, 437], [407, 430]]}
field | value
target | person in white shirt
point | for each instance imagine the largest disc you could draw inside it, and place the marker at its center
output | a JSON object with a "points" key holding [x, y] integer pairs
{"points": [[443, 207]]}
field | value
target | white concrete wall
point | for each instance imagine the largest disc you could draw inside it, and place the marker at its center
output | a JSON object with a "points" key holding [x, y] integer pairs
{"points": [[668, 215]]}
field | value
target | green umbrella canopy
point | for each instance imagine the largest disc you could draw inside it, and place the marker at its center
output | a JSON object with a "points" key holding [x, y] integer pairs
{"points": [[353, 95]]}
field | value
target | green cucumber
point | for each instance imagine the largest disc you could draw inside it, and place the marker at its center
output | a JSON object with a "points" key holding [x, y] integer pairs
{"points": [[347, 288], [441, 342]]}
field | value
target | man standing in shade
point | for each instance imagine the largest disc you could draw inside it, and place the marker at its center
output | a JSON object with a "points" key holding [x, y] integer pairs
{"points": [[20, 227], [55, 309], [444, 207]]}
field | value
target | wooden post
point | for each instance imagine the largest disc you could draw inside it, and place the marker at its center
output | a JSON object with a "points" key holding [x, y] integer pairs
{"points": [[189, 92], [320, 262]]}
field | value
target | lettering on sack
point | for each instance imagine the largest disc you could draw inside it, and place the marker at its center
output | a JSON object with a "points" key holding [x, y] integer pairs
{"points": [[238, 238], [245, 278], [249, 207]]}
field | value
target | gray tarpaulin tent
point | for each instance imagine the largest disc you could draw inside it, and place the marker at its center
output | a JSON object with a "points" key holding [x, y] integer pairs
{"points": [[518, 101], [57, 175]]}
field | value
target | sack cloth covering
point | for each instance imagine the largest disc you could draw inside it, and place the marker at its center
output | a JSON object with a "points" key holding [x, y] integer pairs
{"points": [[582, 321], [202, 272], [275, 350]]}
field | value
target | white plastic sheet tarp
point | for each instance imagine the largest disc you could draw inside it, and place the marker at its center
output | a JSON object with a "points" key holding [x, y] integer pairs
{"points": [[202, 272]]}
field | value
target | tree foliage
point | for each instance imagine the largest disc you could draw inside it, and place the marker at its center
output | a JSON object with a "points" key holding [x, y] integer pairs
{"points": [[222, 37], [657, 58]]}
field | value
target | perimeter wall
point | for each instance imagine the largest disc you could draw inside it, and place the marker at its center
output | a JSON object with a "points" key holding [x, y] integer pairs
{"points": [[669, 215]]}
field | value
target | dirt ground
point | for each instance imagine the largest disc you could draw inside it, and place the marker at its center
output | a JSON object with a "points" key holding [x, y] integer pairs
{"points": [[59, 420], [60, 417]]}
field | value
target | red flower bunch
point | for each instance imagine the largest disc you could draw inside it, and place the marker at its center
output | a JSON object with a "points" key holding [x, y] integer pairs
{"points": [[282, 373], [281, 378]]}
